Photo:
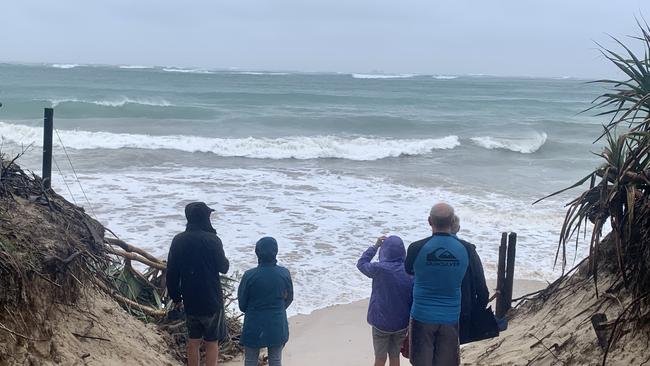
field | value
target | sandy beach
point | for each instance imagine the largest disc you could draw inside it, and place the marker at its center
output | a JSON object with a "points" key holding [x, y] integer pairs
{"points": [[339, 334], [145, 150]]}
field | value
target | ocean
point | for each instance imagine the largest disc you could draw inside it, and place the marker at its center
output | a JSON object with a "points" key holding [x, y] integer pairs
{"points": [[324, 162]]}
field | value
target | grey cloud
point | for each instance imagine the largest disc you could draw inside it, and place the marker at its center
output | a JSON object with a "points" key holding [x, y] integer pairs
{"points": [[506, 37]]}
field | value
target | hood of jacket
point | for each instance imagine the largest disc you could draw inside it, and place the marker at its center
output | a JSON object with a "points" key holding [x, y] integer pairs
{"points": [[266, 250], [392, 250], [198, 217]]}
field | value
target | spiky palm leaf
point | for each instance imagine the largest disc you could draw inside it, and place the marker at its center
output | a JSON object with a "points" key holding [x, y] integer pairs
{"points": [[619, 189]]}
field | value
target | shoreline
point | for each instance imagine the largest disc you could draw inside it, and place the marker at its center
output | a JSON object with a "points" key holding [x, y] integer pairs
{"points": [[491, 284], [340, 335]]}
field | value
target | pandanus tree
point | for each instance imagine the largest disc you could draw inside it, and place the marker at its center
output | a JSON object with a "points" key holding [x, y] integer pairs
{"points": [[618, 191]]}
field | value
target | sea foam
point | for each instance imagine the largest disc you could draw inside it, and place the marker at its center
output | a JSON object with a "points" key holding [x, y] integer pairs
{"points": [[292, 147], [527, 145], [322, 220]]}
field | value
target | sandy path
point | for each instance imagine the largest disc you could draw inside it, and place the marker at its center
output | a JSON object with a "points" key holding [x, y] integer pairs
{"points": [[339, 334]]}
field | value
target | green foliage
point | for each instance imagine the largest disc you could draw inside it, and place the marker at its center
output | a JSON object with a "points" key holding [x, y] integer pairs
{"points": [[622, 180], [628, 101], [619, 190]]}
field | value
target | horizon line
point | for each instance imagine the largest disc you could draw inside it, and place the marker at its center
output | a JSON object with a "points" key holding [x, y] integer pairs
{"points": [[235, 69]]}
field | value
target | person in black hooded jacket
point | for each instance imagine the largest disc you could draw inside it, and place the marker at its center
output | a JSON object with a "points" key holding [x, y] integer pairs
{"points": [[195, 259], [474, 290]]}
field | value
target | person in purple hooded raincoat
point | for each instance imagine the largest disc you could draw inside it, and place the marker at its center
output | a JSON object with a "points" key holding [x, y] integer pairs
{"points": [[391, 298]]}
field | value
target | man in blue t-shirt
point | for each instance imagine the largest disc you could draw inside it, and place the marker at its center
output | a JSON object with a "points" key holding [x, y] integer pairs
{"points": [[439, 263]]}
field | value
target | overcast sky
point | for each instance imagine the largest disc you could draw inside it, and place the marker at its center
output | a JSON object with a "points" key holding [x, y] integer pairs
{"points": [[507, 37]]}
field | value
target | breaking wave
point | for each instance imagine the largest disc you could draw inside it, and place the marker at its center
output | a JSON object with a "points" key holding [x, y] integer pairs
{"points": [[445, 77], [526, 145], [114, 102], [261, 73], [187, 71], [65, 66], [135, 67], [294, 147], [382, 76]]}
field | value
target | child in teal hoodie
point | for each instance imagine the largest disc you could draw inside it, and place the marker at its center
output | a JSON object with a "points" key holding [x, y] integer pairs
{"points": [[264, 294]]}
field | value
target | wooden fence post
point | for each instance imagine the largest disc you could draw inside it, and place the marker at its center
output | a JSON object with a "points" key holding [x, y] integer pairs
{"points": [[48, 127], [599, 323], [510, 270], [500, 311]]}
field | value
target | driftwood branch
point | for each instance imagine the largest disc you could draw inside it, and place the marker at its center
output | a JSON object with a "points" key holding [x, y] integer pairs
{"points": [[143, 308], [65, 261], [96, 237], [548, 349], [90, 337], [2, 327], [18, 156], [133, 249], [137, 258]]}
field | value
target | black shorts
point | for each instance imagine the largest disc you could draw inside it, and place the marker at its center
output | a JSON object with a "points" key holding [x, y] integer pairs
{"points": [[433, 344], [210, 328]]}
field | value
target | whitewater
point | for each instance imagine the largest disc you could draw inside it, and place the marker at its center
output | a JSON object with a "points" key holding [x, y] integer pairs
{"points": [[325, 162], [292, 147]]}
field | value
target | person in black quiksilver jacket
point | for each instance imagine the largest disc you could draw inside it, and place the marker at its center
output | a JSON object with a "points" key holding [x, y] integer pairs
{"points": [[474, 290], [196, 258]]}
